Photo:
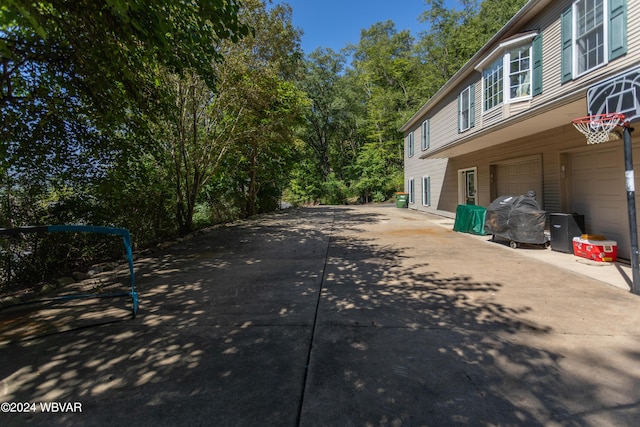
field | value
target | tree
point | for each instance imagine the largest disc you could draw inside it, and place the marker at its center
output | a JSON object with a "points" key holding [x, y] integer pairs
{"points": [[195, 138], [449, 41], [108, 50], [266, 66], [454, 35], [387, 69], [79, 80], [323, 70], [239, 132], [79, 87]]}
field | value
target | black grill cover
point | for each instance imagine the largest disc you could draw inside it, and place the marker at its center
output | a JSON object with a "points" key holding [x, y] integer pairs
{"points": [[516, 218]]}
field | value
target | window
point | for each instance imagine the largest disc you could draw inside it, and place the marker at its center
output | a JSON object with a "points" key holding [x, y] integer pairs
{"points": [[410, 144], [594, 32], [466, 111], [426, 191], [520, 72], [412, 191], [493, 85], [589, 34], [425, 135], [513, 71]]}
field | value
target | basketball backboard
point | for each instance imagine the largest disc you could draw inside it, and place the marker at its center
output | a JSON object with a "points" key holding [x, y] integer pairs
{"points": [[618, 94]]}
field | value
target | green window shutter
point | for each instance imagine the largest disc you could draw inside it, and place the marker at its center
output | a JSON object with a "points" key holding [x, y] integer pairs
{"points": [[567, 46], [410, 144], [427, 130], [428, 184], [459, 112], [472, 105], [537, 65], [426, 190], [428, 133], [617, 28]]}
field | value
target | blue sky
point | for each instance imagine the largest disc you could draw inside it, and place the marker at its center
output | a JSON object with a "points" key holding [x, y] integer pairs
{"points": [[336, 23]]}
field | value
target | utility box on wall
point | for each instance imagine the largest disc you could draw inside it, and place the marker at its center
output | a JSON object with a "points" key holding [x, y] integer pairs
{"points": [[563, 228]]}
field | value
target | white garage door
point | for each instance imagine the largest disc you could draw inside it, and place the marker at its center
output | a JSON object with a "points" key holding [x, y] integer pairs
{"points": [[598, 192], [519, 177]]}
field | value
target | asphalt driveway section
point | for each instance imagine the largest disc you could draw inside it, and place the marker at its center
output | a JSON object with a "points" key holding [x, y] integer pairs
{"points": [[327, 316]]}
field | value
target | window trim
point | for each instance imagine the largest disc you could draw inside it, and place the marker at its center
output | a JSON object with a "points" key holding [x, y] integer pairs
{"points": [[410, 145]]}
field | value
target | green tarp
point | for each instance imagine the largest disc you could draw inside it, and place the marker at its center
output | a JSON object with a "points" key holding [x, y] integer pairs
{"points": [[470, 219]]}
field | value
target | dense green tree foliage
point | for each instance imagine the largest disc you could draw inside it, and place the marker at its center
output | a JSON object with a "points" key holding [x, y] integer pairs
{"points": [[163, 116], [80, 88], [354, 151]]}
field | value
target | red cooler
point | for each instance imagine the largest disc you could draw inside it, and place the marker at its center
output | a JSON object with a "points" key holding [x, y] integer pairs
{"points": [[595, 250]]}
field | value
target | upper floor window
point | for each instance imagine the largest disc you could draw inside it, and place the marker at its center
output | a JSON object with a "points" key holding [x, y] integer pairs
{"points": [[594, 32], [466, 111], [589, 34], [410, 144], [520, 72], [493, 83], [513, 71], [425, 135]]}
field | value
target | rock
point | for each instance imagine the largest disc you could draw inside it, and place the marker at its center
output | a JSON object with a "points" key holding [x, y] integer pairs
{"points": [[79, 276], [164, 245], [9, 301], [62, 281]]}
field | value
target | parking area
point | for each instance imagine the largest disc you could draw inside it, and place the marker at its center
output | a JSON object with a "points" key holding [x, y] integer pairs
{"points": [[325, 316]]}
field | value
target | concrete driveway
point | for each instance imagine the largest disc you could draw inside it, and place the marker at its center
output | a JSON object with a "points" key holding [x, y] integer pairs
{"points": [[332, 316]]}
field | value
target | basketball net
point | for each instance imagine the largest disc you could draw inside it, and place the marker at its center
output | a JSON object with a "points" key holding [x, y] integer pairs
{"points": [[599, 128]]}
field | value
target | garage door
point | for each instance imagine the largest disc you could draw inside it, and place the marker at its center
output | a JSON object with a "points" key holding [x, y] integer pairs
{"points": [[519, 177], [598, 192]]}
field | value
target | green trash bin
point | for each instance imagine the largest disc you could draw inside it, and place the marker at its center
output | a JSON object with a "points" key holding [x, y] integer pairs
{"points": [[402, 200]]}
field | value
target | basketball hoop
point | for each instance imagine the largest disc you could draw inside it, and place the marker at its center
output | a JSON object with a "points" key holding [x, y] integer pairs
{"points": [[599, 128]]}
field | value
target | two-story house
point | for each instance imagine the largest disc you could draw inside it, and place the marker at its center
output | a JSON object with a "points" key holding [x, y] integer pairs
{"points": [[502, 124]]}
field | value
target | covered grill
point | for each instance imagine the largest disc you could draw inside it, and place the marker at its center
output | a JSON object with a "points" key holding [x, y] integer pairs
{"points": [[517, 219]]}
